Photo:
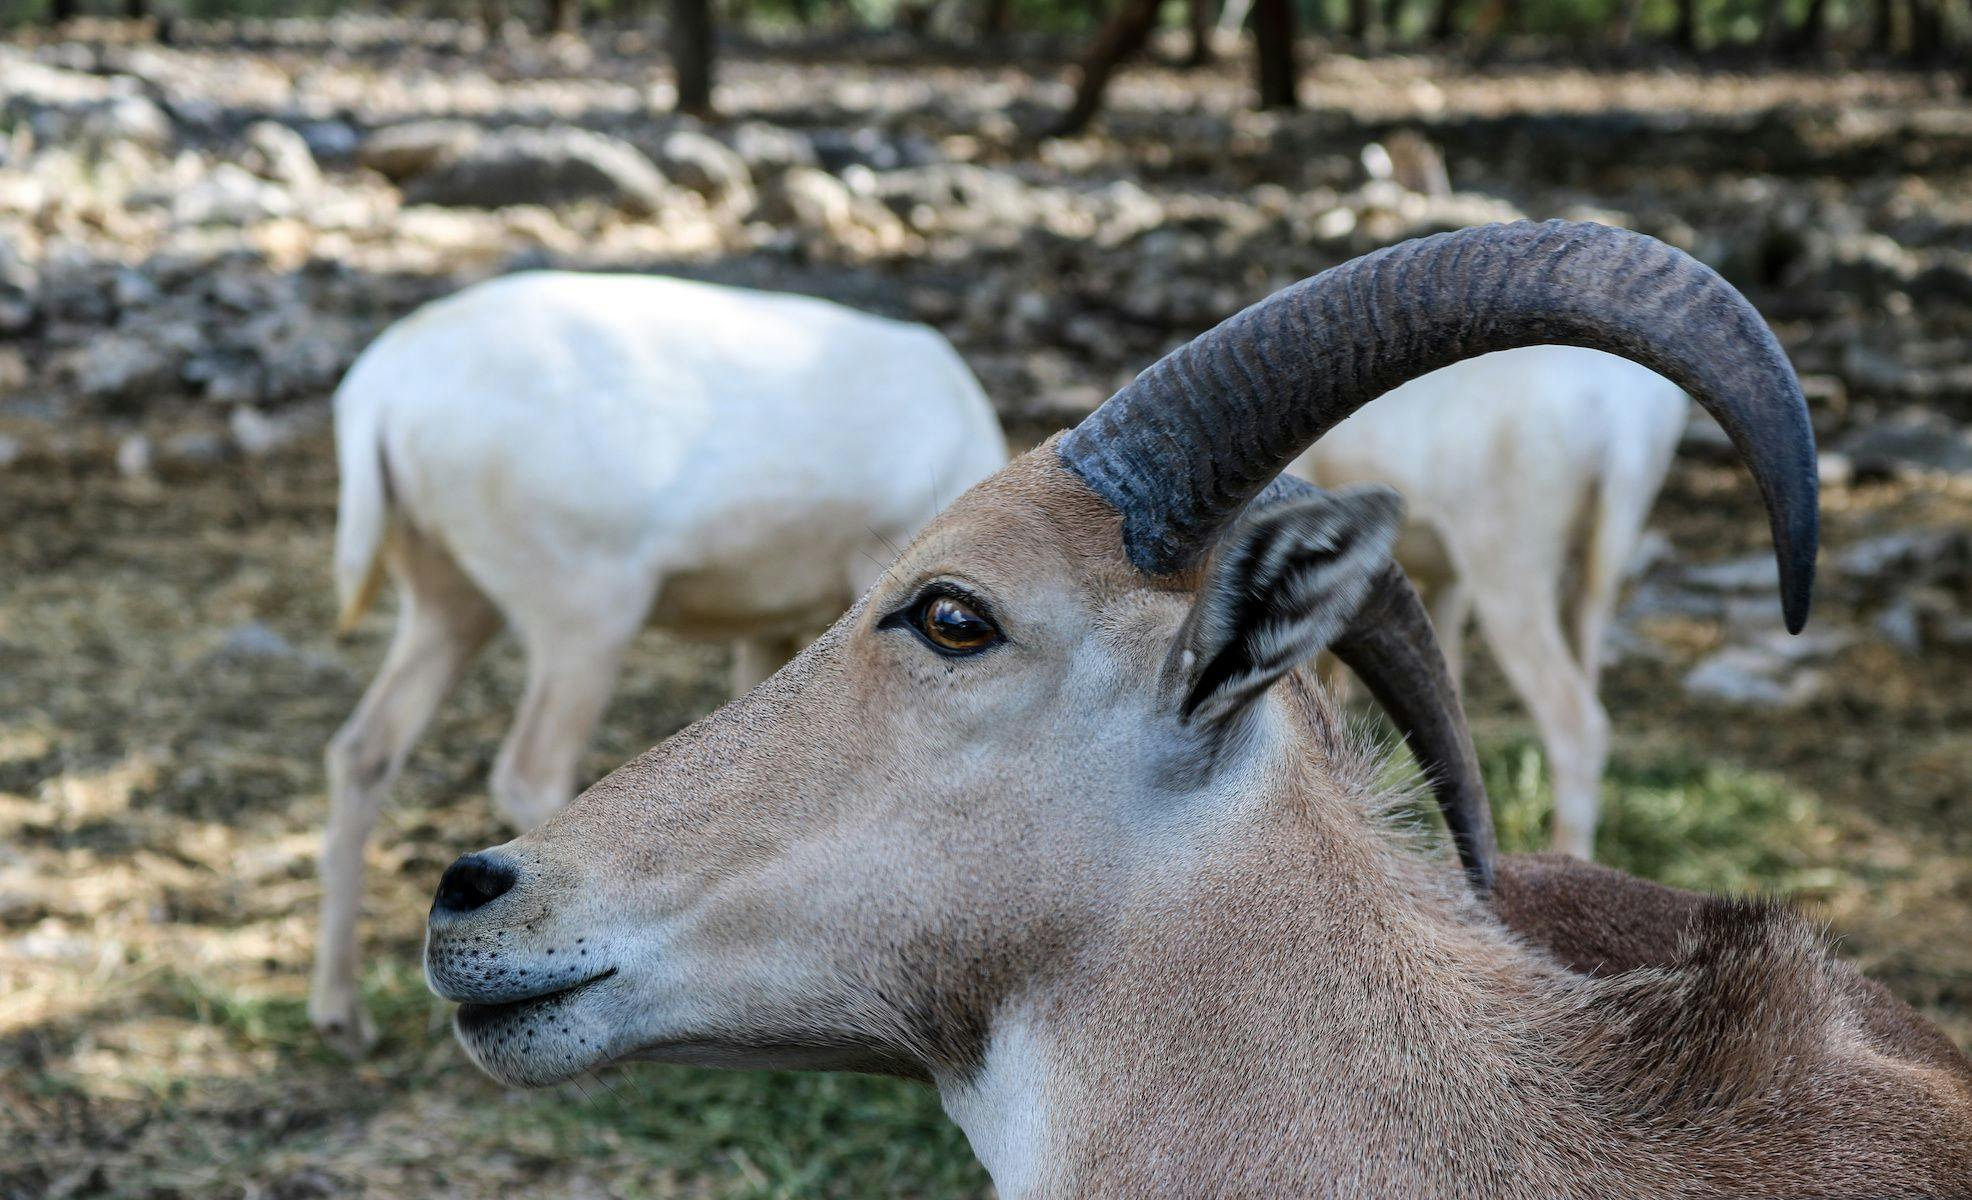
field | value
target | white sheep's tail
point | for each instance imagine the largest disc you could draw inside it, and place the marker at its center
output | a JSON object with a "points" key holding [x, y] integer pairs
{"points": [[362, 512], [1617, 510]]}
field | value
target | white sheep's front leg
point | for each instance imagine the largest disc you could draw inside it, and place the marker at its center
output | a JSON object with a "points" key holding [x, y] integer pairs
{"points": [[571, 671], [443, 623]]}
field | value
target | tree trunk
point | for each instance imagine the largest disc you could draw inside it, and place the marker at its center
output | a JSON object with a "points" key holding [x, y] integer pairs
{"points": [[61, 10], [1929, 37], [804, 12], [1273, 46], [136, 10], [1773, 24], [493, 15], [1198, 15], [563, 16], [1122, 37], [996, 18], [1812, 36], [1495, 18], [1884, 36], [1444, 23], [1359, 19], [1622, 27], [1393, 19], [691, 54], [1685, 35]]}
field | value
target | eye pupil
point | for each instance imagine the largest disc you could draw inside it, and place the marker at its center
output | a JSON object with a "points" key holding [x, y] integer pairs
{"points": [[952, 623]]}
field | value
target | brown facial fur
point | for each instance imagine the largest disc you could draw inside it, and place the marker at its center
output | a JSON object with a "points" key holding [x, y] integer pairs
{"points": [[885, 860]]}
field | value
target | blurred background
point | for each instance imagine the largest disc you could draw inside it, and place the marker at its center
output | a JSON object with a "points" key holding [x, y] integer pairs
{"points": [[208, 207]]}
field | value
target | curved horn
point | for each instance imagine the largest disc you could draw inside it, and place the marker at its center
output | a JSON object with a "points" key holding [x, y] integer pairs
{"points": [[1392, 648], [1183, 447]]}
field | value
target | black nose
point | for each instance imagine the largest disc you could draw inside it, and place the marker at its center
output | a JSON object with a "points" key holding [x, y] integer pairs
{"points": [[474, 881]]}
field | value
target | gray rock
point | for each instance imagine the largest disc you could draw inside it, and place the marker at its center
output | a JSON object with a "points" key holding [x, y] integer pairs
{"points": [[251, 642], [1753, 573], [771, 149], [1920, 617], [400, 152], [275, 152], [136, 458], [14, 373], [12, 450], [259, 435], [1893, 560], [708, 167], [118, 366], [1750, 677], [132, 119], [19, 284], [193, 448], [873, 148], [1914, 442], [555, 166], [331, 139], [230, 196], [134, 289]]}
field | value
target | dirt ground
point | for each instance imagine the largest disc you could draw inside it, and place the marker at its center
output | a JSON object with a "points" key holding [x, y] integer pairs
{"points": [[168, 680]]}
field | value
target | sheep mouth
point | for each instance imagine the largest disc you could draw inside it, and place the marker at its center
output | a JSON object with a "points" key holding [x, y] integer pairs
{"points": [[474, 1015]]}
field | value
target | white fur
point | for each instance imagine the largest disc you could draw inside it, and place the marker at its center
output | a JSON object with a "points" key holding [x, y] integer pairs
{"points": [[574, 455], [1516, 461], [1003, 1108]]}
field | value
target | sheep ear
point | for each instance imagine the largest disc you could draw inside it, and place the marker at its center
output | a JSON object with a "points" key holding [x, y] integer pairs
{"points": [[1282, 585]]}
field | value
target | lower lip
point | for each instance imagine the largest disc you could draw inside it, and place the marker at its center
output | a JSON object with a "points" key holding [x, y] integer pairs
{"points": [[475, 1014]]}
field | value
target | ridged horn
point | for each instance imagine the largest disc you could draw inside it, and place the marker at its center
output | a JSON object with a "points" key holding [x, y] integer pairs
{"points": [[1183, 448]]}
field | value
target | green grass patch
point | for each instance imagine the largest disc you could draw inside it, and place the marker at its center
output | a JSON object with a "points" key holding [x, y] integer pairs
{"points": [[1678, 820], [756, 1135]]}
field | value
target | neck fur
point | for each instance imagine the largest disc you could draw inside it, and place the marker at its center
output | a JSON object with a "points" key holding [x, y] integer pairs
{"points": [[1273, 1009]]}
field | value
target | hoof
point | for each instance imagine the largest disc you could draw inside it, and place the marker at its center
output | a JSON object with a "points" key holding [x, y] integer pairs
{"points": [[348, 1032]]}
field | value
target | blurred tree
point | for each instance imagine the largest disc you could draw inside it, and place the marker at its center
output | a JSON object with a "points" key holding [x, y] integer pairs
{"points": [[136, 10], [1444, 22], [1359, 19], [1198, 18], [1123, 35], [996, 18], [1812, 34], [1393, 19], [1273, 49], [1622, 24], [1883, 34], [691, 54], [62, 10], [562, 16], [1684, 35], [1930, 40]]}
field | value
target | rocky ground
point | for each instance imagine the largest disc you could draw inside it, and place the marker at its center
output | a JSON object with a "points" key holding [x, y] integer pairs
{"points": [[195, 242]]}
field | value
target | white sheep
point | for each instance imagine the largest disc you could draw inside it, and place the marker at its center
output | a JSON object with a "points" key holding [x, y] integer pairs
{"points": [[1529, 475], [578, 456]]}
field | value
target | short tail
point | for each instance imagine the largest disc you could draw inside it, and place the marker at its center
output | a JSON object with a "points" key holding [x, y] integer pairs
{"points": [[362, 513], [1618, 510]]}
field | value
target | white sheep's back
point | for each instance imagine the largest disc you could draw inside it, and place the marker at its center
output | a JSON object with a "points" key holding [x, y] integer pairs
{"points": [[1526, 431], [740, 447]]}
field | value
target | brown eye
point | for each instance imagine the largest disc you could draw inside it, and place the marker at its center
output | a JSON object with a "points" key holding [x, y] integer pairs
{"points": [[955, 626]]}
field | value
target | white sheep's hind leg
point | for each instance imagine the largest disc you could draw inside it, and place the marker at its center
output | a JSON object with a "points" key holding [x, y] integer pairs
{"points": [[442, 623], [1451, 613], [571, 671], [1524, 631]]}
